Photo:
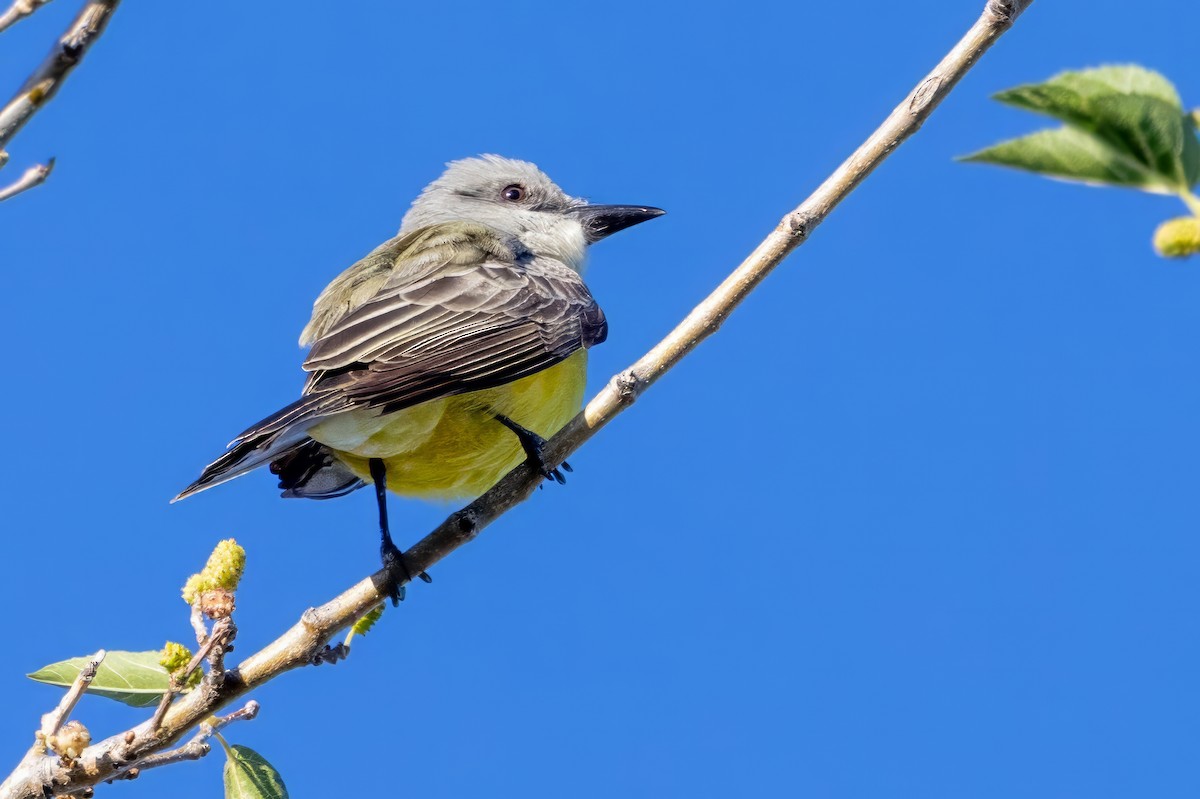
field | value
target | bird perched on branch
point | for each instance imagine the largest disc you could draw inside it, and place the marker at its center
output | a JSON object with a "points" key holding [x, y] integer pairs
{"points": [[439, 361]]}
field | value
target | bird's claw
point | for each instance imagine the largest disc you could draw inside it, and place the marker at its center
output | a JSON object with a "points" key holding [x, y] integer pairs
{"points": [[552, 474], [398, 572], [331, 654], [532, 443]]}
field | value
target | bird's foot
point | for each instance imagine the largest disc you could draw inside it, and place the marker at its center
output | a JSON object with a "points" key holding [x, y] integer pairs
{"points": [[398, 572], [532, 443], [330, 654]]}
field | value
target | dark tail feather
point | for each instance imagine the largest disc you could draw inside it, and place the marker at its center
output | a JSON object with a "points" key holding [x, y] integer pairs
{"points": [[273, 437], [243, 457]]}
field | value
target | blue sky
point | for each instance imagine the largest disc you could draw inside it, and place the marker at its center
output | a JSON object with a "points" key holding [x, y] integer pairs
{"points": [[921, 519]]}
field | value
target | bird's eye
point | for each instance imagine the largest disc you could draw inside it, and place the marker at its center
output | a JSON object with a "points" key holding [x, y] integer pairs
{"points": [[514, 193]]}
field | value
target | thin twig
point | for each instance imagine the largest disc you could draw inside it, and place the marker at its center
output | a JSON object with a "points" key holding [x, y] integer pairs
{"points": [[222, 632], [18, 11], [297, 647], [194, 749], [46, 80], [34, 176], [199, 626], [247, 713], [53, 721], [707, 317]]}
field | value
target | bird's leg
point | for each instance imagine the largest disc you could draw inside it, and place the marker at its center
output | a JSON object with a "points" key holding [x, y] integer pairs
{"points": [[532, 443], [389, 553]]}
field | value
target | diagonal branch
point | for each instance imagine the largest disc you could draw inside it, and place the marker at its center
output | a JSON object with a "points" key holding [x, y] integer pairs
{"points": [[792, 231], [52, 721], [192, 750], [18, 11], [308, 637], [48, 78]]}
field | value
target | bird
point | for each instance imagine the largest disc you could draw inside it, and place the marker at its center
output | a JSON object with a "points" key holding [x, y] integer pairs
{"points": [[448, 354]]}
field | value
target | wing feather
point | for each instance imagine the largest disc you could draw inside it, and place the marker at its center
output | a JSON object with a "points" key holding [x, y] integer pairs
{"points": [[461, 309]]}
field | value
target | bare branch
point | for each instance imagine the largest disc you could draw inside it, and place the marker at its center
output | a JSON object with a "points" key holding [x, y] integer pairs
{"points": [[18, 11], [46, 80], [198, 624], [34, 176], [194, 749], [212, 648], [52, 721], [998, 16], [301, 644]]}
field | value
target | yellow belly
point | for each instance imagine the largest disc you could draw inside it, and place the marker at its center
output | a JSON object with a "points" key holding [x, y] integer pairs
{"points": [[454, 448]]}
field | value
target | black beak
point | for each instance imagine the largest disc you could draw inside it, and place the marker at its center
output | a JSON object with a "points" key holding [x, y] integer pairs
{"points": [[601, 221]]}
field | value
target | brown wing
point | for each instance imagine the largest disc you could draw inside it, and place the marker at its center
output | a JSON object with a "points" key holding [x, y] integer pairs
{"points": [[454, 330], [478, 315]]}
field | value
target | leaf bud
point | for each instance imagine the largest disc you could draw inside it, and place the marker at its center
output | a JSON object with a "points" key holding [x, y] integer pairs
{"points": [[1178, 238]]}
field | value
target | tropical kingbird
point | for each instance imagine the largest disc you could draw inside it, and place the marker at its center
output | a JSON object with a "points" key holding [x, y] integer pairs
{"points": [[440, 360]]}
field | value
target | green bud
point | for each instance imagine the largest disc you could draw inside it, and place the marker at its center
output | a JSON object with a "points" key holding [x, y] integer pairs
{"points": [[175, 658], [1178, 238], [223, 570], [226, 564], [195, 585]]}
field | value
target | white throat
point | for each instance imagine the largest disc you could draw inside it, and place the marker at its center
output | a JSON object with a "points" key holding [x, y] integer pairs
{"points": [[557, 237]]}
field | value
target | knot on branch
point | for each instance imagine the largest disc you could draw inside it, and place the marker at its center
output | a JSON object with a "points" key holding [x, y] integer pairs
{"points": [[923, 96], [312, 619], [467, 523], [628, 386], [72, 51], [798, 225], [1005, 11]]}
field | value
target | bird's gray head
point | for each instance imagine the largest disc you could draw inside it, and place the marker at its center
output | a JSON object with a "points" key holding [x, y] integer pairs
{"points": [[517, 198]]}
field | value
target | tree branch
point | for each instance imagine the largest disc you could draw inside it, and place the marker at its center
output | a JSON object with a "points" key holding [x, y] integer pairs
{"points": [[223, 632], [194, 749], [48, 78], [33, 176], [52, 721], [308, 637], [18, 11]]}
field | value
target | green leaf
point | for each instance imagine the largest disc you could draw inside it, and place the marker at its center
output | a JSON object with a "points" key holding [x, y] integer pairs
{"points": [[249, 776], [1071, 154], [1142, 136], [1122, 79], [1155, 133], [1069, 93], [135, 678]]}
